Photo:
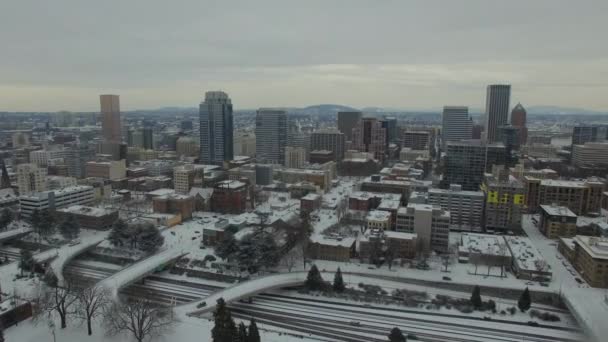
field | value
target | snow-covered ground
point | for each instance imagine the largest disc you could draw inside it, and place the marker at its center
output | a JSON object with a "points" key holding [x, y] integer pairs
{"points": [[187, 330], [588, 305]]}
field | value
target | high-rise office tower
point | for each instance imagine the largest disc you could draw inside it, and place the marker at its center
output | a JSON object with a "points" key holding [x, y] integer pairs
{"points": [[347, 121], [110, 118], [518, 120], [216, 128], [497, 109], [468, 160], [510, 137], [148, 138], [270, 136], [456, 124], [330, 140], [584, 134], [416, 140], [390, 124], [370, 136]]}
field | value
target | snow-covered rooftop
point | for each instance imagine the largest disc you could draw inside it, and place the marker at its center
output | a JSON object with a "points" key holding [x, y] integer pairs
{"points": [[86, 210], [555, 210], [378, 215], [524, 253], [484, 244]]}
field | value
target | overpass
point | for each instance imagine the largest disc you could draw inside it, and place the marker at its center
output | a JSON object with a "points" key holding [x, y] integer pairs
{"points": [[587, 307], [60, 257], [14, 234], [139, 270], [246, 289]]}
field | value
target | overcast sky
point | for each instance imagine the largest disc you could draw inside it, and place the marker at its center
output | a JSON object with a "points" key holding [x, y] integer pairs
{"points": [[61, 54]]}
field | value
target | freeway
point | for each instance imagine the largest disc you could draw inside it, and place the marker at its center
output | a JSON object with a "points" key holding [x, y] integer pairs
{"points": [[332, 319]]}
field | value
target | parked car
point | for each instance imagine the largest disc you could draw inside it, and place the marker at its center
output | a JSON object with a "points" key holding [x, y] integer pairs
{"points": [[487, 318], [533, 324], [578, 280], [446, 278], [74, 242]]}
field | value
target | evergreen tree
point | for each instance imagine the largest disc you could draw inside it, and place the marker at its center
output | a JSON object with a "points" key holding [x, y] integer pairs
{"points": [[254, 333], [338, 281], [6, 218], [242, 334], [314, 281], [524, 301], [149, 238], [476, 297], [224, 329], [26, 261], [396, 335], [116, 236], [69, 228], [35, 221], [227, 247]]}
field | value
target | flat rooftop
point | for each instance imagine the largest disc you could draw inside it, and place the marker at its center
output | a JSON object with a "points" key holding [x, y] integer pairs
{"points": [[596, 247], [557, 210]]}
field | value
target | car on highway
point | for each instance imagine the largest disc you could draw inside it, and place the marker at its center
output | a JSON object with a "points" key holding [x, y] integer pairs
{"points": [[578, 280], [533, 324], [355, 323]]}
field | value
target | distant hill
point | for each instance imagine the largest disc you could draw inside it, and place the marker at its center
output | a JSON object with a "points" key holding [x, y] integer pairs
{"points": [[561, 110], [322, 109]]}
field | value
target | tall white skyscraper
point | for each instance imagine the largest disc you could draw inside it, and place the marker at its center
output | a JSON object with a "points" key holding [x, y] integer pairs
{"points": [[216, 128], [456, 124], [497, 110], [270, 136]]}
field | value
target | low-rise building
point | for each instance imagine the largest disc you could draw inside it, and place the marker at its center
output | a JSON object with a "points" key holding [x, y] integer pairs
{"points": [[333, 248], [430, 223], [60, 182], [466, 207], [174, 204], [528, 263], [484, 249], [378, 219], [56, 199], [321, 156], [113, 170], [557, 221], [589, 255], [402, 245], [229, 196], [309, 203], [582, 197], [90, 217], [291, 176]]}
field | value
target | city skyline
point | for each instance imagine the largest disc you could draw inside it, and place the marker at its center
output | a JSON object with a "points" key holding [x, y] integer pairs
{"points": [[170, 57]]}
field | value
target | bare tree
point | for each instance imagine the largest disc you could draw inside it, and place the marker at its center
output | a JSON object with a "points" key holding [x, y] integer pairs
{"points": [[422, 252], [55, 298], [294, 256], [475, 259], [92, 301], [141, 318]]}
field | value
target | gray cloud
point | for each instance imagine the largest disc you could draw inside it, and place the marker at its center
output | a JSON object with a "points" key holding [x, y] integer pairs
{"points": [[417, 54]]}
